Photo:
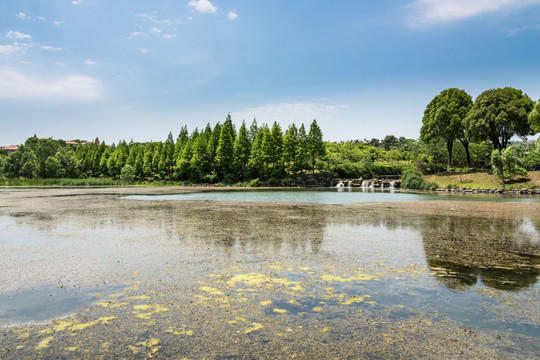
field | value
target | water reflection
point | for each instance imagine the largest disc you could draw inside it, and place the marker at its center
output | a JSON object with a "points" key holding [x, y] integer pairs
{"points": [[461, 252], [502, 254]]}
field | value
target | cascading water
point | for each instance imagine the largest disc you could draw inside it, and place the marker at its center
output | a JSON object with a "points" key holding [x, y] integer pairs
{"points": [[365, 184], [349, 184], [340, 184]]}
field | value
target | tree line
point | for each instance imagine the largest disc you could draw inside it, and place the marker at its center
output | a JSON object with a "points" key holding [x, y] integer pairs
{"points": [[213, 154]]}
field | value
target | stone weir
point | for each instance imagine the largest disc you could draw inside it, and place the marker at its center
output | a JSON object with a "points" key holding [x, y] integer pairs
{"points": [[379, 182]]}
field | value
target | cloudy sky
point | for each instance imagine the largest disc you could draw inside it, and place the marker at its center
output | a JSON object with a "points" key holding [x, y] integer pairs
{"points": [[128, 69]]}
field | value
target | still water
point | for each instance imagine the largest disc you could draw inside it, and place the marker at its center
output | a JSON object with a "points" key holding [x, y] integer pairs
{"points": [[332, 196], [90, 275]]}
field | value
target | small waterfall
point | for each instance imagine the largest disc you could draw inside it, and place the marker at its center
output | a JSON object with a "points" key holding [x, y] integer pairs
{"points": [[349, 184], [340, 184], [392, 183], [372, 184], [365, 184]]}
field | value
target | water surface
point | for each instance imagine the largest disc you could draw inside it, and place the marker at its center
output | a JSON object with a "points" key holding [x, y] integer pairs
{"points": [[106, 277]]}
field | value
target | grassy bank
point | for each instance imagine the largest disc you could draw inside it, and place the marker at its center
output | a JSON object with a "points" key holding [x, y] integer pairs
{"points": [[484, 180], [62, 182]]}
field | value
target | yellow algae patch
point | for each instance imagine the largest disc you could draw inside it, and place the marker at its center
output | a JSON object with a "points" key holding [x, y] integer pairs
{"points": [[117, 295], [211, 290], [317, 309], [276, 267], [134, 349], [179, 332], [294, 302], [62, 325], [280, 311], [304, 268], [149, 343], [106, 345], [262, 281], [45, 343], [253, 327], [237, 320], [72, 348], [140, 297], [363, 277], [154, 309], [325, 330], [45, 331], [352, 300], [242, 300], [265, 303], [102, 320], [133, 283], [111, 304], [133, 288], [330, 278]]}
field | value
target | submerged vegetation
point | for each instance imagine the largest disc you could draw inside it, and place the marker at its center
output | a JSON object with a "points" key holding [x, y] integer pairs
{"points": [[457, 135]]}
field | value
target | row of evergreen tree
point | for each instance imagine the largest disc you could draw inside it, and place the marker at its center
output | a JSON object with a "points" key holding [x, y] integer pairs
{"points": [[210, 155]]}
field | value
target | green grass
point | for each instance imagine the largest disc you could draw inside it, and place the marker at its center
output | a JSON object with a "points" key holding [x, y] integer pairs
{"points": [[484, 180], [62, 182]]}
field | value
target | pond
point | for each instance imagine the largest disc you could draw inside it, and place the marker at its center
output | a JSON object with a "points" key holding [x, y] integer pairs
{"points": [[87, 273], [331, 196]]}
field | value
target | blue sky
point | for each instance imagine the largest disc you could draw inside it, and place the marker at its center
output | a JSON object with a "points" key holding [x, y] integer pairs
{"points": [[133, 69]]}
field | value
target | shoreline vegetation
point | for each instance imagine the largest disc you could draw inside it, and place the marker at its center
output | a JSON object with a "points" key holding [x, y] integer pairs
{"points": [[451, 182], [458, 136]]}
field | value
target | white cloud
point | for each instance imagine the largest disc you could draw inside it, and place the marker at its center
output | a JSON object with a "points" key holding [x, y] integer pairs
{"points": [[60, 64], [287, 113], [203, 6], [58, 23], [232, 15], [155, 20], [144, 51], [18, 35], [51, 48], [41, 18], [17, 85], [135, 34], [155, 30], [24, 16], [169, 36], [9, 49], [434, 11], [90, 62], [77, 2]]}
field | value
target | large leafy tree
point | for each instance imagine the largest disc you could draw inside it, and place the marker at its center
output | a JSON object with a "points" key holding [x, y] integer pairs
{"points": [[534, 118], [444, 120], [499, 114]]}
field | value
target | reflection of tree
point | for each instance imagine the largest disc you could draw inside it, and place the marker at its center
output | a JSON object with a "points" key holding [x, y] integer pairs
{"points": [[254, 226], [498, 252]]}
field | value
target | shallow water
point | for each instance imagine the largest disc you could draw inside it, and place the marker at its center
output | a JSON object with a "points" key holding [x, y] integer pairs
{"points": [[331, 196], [205, 279]]}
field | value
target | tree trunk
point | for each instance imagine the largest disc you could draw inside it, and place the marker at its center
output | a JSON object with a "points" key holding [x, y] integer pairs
{"points": [[466, 146], [449, 146]]}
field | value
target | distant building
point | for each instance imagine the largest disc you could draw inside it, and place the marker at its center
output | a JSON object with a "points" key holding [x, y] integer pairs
{"points": [[9, 149], [74, 143]]}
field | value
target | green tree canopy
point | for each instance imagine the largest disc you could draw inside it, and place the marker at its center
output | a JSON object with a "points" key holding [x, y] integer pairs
{"points": [[499, 114], [534, 118], [444, 119]]}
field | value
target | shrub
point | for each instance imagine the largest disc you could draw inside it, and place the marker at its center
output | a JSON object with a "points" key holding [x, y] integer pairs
{"points": [[254, 183], [412, 178], [127, 173]]}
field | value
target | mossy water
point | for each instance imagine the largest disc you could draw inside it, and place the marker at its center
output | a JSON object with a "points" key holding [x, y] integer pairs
{"points": [[198, 279]]}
